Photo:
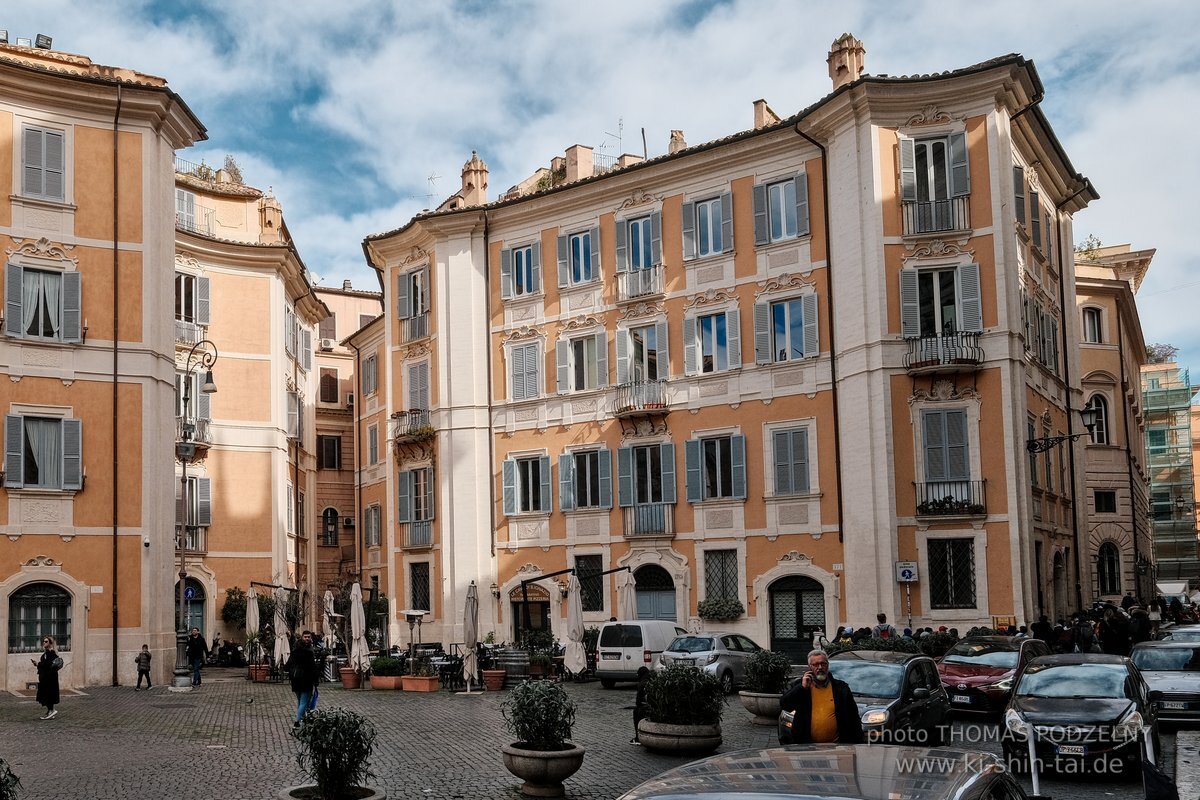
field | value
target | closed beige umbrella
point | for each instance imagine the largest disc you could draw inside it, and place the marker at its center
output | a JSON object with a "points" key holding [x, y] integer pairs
{"points": [[283, 645], [575, 660], [252, 622], [470, 635], [327, 631], [627, 598], [360, 658]]}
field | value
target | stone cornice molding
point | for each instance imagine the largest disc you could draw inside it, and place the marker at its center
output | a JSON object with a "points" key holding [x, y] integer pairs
{"points": [[943, 391], [640, 310], [710, 298], [637, 197], [581, 323], [523, 333], [786, 282], [932, 114], [938, 249], [43, 248]]}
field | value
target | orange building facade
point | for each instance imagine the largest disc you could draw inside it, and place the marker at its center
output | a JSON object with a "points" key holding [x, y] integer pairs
{"points": [[87, 550], [776, 370]]}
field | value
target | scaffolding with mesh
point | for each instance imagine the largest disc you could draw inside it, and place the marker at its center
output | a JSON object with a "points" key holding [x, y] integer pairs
{"points": [[1167, 401]]}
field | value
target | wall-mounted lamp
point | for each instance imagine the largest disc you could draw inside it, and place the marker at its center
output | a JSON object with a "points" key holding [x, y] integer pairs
{"points": [[1045, 443], [495, 590], [562, 587], [83, 332]]}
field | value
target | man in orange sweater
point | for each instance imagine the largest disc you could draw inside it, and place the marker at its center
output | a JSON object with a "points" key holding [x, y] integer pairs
{"points": [[824, 707]]}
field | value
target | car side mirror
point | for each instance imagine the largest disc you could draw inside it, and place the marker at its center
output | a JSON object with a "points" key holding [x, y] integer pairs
{"points": [[1155, 696], [920, 693]]}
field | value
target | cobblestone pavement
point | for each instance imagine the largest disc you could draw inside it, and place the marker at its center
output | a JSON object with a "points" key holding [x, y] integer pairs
{"points": [[230, 740]]}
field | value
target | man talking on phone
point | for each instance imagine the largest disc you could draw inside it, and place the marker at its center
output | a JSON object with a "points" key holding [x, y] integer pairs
{"points": [[823, 706]]}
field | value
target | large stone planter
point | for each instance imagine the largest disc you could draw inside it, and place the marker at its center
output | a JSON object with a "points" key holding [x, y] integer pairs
{"points": [[493, 679], [351, 679], [419, 683], [309, 792], [385, 682], [660, 737], [542, 770], [764, 706]]}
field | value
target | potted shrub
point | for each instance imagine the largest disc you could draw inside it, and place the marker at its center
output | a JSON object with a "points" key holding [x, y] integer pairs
{"points": [[721, 609], [335, 751], [539, 665], [386, 673], [763, 685], [683, 712], [351, 679], [259, 670], [493, 676], [422, 679], [540, 715]]}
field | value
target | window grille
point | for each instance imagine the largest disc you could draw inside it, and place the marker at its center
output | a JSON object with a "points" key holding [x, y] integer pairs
{"points": [[419, 585], [38, 610], [720, 574], [591, 584], [952, 573]]}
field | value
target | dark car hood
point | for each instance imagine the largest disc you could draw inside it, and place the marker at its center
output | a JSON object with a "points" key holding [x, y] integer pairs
{"points": [[1071, 710], [1172, 681], [973, 675]]}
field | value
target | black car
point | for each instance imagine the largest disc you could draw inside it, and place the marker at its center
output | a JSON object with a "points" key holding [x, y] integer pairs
{"points": [[1088, 712], [866, 772], [900, 697], [1172, 671]]}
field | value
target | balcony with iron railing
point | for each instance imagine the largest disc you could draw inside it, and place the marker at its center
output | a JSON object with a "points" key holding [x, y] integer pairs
{"points": [[641, 398], [944, 352], [187, 333], [417, 535], [415, 327], [200, 433], [636, 284], [191, 539], [412, 426], [648, 520], [201, 222], [951, 498], [936, 216]]}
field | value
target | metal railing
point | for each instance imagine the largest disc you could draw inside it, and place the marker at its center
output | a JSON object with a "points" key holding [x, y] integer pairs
{"points": [[641, 396], [201, 221], [418, 534], [603, 162], [410, 424], [944, 349], [202, 171], [415, 327], [931, 216], [201, 430], [191, 539], [637, 283], [951, 498], [188, 333], [650, 519]]}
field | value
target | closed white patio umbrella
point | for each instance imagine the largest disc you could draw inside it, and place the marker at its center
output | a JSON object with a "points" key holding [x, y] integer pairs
{"points": [[283, 645], [575, 660], [360, 659], [252, 620], [470, 635], [627, 598], [327, 629]]}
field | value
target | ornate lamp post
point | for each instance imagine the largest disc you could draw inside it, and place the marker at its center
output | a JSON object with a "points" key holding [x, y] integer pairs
{"points": [[1045, 443], [202, 356]]}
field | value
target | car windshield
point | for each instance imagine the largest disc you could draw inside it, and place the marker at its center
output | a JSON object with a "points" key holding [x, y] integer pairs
{"points": [[1167, 658], [692, 644], [871, 678], [980, 654], [1184, 635], [1073, 680]]}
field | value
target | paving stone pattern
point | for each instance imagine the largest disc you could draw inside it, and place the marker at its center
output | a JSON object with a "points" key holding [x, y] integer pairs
{"points": [[231, 739]]}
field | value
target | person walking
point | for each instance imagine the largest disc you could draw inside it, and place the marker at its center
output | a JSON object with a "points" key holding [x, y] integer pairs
{"points": [[197, 651], [302, 667], [823, 707], [142, 660], [639, 706], [47, 670], [883, 630]]}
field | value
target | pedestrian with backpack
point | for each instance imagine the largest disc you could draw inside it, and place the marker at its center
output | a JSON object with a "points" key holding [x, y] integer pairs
{"points": [[883, 630], [1085, 636]]}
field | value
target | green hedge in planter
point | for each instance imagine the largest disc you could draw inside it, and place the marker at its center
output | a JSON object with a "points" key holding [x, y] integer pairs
{"points": [[684, 696], [766, 672], [386, 666], [540, 714], [335, 748], [721, 608]]}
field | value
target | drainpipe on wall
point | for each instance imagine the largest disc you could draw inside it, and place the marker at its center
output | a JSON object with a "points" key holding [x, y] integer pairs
{"points": [[1062, 303], [837, 428], [116, 424]]}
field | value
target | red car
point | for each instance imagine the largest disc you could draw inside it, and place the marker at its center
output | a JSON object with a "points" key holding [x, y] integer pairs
{"points": [[978, 672]]}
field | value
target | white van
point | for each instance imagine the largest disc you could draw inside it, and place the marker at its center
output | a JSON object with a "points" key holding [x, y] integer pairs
{"points": [[630, 648]]}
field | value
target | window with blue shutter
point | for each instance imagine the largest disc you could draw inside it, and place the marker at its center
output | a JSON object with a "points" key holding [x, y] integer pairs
{"points": [[785, 330], [791, 461], [1019, 194], [404, 496], [524, 365], [945, 445], [585, 480], [43, 164], [578, 257], [526, 485], [43, 304], [43, 452]]}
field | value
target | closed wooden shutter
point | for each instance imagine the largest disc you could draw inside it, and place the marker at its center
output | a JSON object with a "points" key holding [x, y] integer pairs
{"points": [[204, 303], [762, 333], [908, 169], [564, 266], [14, 451], [972, 305], [812, 345], [667, 452], [960, 172], [692, 469], [566, 482], [509, 486], [547, 498], [204, 502], [733, 337], [689, 345], [689, 230], [802, 222], [72, 307], [404, 496], [656, 238], [13, 279], [727, 222], [661, 342], [625, 477], [622, 356], [602, 358], [604, 466], [506, 277], [737, 457], [762, 232]]}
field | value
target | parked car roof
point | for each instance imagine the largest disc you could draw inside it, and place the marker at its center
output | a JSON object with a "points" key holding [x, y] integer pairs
{"points": [[995, 641], [864, 771], [1079, 658], [887, 656]]}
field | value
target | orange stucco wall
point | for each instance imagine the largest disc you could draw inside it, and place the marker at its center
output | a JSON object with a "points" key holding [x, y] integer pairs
{"points": [[94, 184], [7, 148]]}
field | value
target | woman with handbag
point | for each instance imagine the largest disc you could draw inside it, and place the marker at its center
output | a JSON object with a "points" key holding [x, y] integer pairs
{"points": [[47, 668]]}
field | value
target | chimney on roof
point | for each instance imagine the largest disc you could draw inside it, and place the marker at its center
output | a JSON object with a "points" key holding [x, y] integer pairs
{"points": [[474, 181], [846, 60], [270, 216], [677, 143], [763, 115], [579, 163], [346, 285]]}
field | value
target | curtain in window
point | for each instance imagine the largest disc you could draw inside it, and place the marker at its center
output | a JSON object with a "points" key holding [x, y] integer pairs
{"points": [[31, 290], [43, 446], [52, 292]]}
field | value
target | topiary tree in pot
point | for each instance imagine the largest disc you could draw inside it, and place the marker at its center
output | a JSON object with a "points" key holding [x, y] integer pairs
{"points": [[541, 715], [763, 684], [335, 751], [683, 711]]}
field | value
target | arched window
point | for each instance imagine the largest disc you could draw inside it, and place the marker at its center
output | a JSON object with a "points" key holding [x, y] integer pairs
{"points": [[1100, 430], [1092, 332], [329, 526], [1108, 569], [37, 610]]}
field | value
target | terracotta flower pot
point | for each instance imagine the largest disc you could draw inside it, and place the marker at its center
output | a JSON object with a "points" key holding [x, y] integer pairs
{"points": [[660, 737], [764, 706], [259, 672], [417, 683], [386, 682], [350, 678], [542, 770], [493, 679]]}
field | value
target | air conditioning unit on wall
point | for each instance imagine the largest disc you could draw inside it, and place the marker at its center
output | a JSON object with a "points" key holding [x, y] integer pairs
{"points": [[348, 522], [327, 345], [350, 400]]}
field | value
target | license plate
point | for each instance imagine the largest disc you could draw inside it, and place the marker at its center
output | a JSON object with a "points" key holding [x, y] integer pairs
{"points": [[685, 662], [609, 656], [961, 698], [1071, 750], [1174, 705]]}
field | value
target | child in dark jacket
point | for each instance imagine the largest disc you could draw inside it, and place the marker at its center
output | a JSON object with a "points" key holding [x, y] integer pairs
{"points": [[142, 660]]}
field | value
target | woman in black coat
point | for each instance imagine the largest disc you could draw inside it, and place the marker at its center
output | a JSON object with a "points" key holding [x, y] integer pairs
{"points": [[47, 693]]}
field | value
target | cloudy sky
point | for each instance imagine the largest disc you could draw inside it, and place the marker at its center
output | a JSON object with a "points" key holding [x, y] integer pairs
{"points": [[360, 113]]}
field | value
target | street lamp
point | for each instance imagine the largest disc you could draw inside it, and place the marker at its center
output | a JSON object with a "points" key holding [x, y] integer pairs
{"points": [[1090, 416], [202, 356]]}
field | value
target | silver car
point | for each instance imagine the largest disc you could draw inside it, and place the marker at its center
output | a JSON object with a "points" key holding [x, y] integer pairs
{"points": [[722, 655]]}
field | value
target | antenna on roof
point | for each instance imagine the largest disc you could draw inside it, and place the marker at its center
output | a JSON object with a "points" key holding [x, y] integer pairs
{"points": [[433, 177], [619, 136]]}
